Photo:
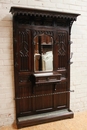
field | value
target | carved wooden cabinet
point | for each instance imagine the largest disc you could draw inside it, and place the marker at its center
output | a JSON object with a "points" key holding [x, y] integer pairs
{"points": [[41, 44]]}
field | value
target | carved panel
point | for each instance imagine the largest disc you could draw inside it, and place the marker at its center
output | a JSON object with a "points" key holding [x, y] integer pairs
{"points": [[24, 53], [24, 104], [61, 88], [61, 42], [61, 38]]}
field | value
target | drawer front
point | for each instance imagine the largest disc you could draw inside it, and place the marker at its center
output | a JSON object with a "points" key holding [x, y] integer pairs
{"points": [[48, 78]]}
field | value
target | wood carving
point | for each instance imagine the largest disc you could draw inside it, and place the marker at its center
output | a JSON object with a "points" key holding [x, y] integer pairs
{"points": [[41, 40]]}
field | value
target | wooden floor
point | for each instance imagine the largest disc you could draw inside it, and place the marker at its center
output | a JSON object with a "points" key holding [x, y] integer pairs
{"points": [[79, 122]]}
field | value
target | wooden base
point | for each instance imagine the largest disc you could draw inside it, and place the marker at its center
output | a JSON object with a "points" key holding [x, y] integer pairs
{"points": [[43, 118]]}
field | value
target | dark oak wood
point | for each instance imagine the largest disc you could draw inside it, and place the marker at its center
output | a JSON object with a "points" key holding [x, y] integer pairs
{"points": [[41, 96]]}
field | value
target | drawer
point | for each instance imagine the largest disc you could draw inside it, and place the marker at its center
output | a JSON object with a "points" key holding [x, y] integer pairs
{"points": [[47, 78], [41, 78]]}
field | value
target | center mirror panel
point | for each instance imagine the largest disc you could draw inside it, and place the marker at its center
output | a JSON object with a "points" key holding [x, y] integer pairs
{"points": [[43, 53]]}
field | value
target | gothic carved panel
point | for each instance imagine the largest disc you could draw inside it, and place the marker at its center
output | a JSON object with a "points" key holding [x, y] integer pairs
{"points": [[24, 49], [61, 42]]}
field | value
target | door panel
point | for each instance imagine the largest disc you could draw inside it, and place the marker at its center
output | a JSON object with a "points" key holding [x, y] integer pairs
{"points": [[61, 64], [23, 67], [24, 103], [60, 100], [24, 47], [44, 99], [61, 47]]}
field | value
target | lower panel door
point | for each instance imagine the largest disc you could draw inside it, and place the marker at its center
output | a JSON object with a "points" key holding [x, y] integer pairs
{"points": [[60, 96], [44, 99], [24, 103]]}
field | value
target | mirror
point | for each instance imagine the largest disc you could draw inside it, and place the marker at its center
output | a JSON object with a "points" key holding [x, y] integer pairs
{"points": [[43, 53]]}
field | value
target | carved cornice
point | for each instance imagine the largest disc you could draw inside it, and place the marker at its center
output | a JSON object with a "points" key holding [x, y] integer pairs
{"points": [[43, 13]]}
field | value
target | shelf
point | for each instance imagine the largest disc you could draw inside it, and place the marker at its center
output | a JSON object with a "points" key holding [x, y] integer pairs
{"points": [[45, 78]]}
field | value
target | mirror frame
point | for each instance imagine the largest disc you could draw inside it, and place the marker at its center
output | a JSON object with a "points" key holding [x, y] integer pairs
{"points": [[37, 56]]}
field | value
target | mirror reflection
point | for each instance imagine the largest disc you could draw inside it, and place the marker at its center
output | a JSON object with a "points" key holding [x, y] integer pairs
{"points": [[43, 53]]}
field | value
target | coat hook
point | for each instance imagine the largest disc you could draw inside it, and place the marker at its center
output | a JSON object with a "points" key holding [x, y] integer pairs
{"points": [[70, 42], [70, 63]]}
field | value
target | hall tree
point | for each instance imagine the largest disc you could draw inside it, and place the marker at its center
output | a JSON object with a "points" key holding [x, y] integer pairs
{"points": [[41, 43]]}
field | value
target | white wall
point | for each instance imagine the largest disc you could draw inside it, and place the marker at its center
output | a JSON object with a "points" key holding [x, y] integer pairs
{"points": [[79, 48]]}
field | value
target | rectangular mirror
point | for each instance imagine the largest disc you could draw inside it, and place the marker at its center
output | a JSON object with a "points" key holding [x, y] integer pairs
{"points": [[43, 53]]}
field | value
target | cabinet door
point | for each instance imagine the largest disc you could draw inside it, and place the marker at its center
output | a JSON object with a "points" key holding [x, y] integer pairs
{"points": [[44, 98], [24, 101], [60, 99], [61, 64], [22, 69], [22, 50]]}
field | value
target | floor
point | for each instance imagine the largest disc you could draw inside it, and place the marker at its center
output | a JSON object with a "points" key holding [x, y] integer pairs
{"points": [[79, 122]]}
